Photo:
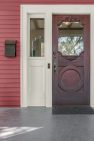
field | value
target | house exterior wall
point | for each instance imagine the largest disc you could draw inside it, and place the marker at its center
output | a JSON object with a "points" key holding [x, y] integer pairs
{"points": [[10, 30]]}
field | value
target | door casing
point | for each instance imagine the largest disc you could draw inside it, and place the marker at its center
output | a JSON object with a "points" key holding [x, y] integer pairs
{"points": [[50, 10]]}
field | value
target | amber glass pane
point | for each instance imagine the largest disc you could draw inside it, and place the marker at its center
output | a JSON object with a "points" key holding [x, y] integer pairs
{"points": [[36, 37], [70, 39]]}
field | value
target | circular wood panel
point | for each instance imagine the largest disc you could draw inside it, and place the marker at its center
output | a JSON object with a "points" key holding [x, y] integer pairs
{"points": [[70, 79]]}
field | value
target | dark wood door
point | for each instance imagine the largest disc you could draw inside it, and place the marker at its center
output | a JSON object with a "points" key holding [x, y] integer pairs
{"points": [[71, 60]]}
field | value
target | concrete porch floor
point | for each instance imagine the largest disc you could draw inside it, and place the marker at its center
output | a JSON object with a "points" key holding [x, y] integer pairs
{"points": [[38, 124]]}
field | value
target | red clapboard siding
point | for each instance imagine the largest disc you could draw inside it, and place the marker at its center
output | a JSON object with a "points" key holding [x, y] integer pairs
{"points": [[8, 62], [9, 89], [9, 104], [16, 8], [8, 35], [10, 26], [7, 4], [2, 58], [9, 98], [10, 30], [9, 22], [11, 1], [9, 94], [2, 31], [9, 80], [9, 67], [12, 76], [4, 72], [9, 17], [13, 85], [7, 12]]}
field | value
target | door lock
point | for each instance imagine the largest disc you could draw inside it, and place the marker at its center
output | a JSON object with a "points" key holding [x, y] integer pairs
{"points": [[48, 65], [55, 67]]}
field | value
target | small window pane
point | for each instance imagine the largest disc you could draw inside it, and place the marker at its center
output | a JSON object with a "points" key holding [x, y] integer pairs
{"points": [[36, 37], [70, 39]]}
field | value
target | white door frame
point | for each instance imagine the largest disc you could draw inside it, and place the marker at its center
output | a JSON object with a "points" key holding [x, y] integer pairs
{"points": [[49, 10]]}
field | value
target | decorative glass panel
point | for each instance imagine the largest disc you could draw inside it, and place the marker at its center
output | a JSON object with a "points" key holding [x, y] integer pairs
{"points": [[36, 37], [70, 39]]}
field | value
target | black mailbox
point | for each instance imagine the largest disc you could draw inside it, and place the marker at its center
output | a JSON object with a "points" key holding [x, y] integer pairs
{"points": [[10, 48]]}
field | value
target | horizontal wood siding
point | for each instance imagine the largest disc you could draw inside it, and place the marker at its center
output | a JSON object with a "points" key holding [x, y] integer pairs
{"points": [[9, 67], [10, 30]]}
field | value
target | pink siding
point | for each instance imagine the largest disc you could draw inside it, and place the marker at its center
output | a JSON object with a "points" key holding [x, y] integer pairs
{"points": [[10, 29], [9, 67]]}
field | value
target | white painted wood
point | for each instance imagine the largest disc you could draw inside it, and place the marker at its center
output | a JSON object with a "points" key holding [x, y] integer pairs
{"points": [[36, 72], [23, 69], [37, 85], [49, 10], [92, 60], [48, 53]]}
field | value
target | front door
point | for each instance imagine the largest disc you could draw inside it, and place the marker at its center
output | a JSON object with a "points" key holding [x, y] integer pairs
{"points": [[71, 60]]}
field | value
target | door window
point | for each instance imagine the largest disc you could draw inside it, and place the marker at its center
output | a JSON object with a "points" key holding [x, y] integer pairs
{"points": [[37, 37], [70, 38]]}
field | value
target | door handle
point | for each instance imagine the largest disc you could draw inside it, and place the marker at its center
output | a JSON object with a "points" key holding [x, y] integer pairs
{"points": [[48, 65], [55, 67]]}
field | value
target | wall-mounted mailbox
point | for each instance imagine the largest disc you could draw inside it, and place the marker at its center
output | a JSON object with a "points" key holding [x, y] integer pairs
{"points": [[10, 48]]}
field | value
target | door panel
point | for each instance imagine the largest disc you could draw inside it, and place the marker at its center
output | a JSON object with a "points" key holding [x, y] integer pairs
{"points": [[36, 83], [71, 60], [36, 61]]}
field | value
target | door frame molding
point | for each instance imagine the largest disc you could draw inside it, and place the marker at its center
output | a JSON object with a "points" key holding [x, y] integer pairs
{"points": [[50, 10]]}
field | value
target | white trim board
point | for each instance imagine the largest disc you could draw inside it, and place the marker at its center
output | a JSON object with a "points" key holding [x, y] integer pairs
{"points": [[49, 10]]}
